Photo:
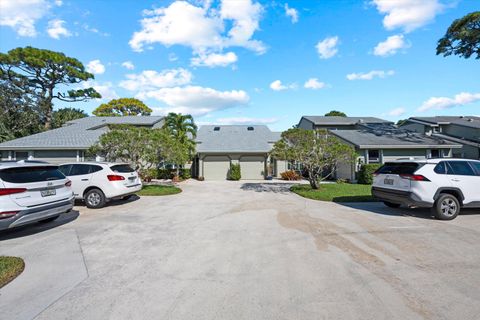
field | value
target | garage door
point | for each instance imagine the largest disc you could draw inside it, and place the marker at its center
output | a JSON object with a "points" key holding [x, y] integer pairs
{"points": [[216, 167], [252, 167]]}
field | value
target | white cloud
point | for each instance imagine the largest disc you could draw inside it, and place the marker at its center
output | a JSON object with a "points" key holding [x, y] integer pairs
{"points": [[21, 15], [214, 59], [292, 13], [196, 100], [128, 65], [327, 48], [58, 3], [56, 29], [105, 89], [95, 30], [278, 86], [396, 112], [407, 14], [390, 46], [314, 84], [245, 120], [95, 67], [206, 30], [149, 80], [370, 75], [441, 103], [172, 57]]}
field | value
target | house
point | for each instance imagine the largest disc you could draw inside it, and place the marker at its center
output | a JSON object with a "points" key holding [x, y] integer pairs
{"points": [[70, 142], [219, 146], [378, 144], [334, 123], [464, 130]]}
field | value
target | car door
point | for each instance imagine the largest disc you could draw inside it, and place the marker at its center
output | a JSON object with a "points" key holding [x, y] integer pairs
{"points": [[463, 176], [80, 175]]}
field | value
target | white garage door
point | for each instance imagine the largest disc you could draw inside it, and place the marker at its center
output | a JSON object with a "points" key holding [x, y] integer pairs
{"points": [[216, 167], [252, 167]]}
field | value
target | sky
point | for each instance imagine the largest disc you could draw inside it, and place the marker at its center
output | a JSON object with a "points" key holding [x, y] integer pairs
{"points": [[258, 62]]}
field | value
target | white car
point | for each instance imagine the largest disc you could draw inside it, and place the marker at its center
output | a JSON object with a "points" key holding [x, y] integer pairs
{"points": [[99, 182], [445, 185], [32, 192]]}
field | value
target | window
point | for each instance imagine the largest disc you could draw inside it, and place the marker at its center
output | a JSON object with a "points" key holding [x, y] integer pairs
{"points": [[31, 174], [399, 168], [440, 168], [122, 168], [435, 153], [65, 169], [373, 156], [79, 169], [461, 168], [476, 166], [94, 168]]}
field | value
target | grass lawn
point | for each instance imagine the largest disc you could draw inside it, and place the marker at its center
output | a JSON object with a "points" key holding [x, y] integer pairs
{"points": [[10, 268], [336, 192], [158, 190]]}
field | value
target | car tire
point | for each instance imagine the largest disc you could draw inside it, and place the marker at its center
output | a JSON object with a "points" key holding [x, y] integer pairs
{"points": [[49, 219], [446, 207], [95, 199], [391, 204]]}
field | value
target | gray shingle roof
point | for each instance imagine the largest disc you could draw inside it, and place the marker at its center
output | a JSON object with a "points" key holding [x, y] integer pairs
{"points": [[466, 121], [391, 138], [77, 134], [322, 120], [235, 138]]}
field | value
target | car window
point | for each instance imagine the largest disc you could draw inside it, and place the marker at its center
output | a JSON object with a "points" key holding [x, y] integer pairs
{"points": [[122, 168], [95, 168], [31, 174], [440, 168], [399, 168], [65, 169], [79, 169], [476, 165], [461, 168]]}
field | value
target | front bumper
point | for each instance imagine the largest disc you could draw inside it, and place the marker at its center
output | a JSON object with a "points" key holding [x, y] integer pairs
{"points": [[35, 214], [405, 198]]}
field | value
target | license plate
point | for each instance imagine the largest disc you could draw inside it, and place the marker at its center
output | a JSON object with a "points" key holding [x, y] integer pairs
{"points": [[132, 178], [388, 181], [50, 192]]}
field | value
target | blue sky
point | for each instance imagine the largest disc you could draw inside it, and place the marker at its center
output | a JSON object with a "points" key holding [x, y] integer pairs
{"points": [[271, 62]]}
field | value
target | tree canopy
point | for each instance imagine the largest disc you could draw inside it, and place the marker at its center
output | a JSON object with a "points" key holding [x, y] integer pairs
{"points": [[335, 113], [62, 116], [319, 152], [122, 107], [462, 37], [42, 74], [183, 128]]}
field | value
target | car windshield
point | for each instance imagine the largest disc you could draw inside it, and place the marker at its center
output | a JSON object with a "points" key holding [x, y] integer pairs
{"points": [[122, 168], [398, 168], [31, 174]]}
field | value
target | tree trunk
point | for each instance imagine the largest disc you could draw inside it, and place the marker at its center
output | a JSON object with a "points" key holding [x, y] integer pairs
{"points": [[313, 181], [48, 110]]}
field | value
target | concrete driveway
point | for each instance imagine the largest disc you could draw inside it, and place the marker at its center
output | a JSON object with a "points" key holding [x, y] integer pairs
{"points": [[239, 250]]}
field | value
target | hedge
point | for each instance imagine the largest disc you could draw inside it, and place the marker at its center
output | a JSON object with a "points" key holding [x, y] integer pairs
{"points": [[365, 175]]}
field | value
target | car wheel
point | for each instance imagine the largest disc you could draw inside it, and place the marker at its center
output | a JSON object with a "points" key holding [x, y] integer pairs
{"points": [[49, 219], [446, 207], [391, 204], [95, 199]]}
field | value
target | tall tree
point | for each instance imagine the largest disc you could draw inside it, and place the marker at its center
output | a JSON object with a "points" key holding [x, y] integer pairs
{"points": [[42, 74], [462, 37], [62, 116], [335, 113], [183, 128], [122, 107]]}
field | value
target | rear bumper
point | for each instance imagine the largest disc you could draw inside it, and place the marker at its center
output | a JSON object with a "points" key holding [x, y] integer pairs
{"points": [[35, 214], [120, 191], [406, 198]]}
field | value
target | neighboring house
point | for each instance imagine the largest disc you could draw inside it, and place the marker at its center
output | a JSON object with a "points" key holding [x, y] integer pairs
{"points": [[464, 130], [378, 144], [338, 123], [70, 142], [219, 146]]}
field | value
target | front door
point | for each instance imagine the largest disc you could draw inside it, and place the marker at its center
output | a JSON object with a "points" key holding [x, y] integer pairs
{"points": [[463, 176]]}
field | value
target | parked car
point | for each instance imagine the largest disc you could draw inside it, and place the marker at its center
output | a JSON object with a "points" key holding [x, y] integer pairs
{"points": [[32, 192], [99, 182], [445, 185]]}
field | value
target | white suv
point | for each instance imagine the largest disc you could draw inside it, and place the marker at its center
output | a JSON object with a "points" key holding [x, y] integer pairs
{"points": [[445, 185], [32, 192], [99, 182]]}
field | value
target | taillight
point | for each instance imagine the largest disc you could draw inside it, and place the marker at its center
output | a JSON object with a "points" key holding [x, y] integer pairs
{"points": [[414, 177], [114, 177], [7, 214], [8, 191], [68, 183]]}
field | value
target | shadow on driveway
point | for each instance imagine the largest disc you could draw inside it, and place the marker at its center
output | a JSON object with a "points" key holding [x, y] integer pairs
{"points": [[38, 227], [275, 187], [111, 203]]}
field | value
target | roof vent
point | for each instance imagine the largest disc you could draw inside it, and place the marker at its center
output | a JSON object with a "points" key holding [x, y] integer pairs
{"points": [[470, 120], [250, 128], [216, 129]]}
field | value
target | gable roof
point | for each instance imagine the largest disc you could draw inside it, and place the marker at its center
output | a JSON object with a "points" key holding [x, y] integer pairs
{"points": [[343, 121], [390, 138], [235, 138], [464, 121], [77, 134]]}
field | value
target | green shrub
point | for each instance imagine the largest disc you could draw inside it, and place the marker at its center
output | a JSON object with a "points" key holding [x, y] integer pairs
{"points": [[235, 173], [185, 174], [365, 175], [290, 175], [164, 174]]}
